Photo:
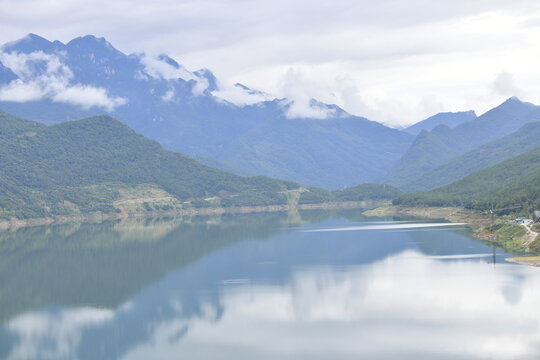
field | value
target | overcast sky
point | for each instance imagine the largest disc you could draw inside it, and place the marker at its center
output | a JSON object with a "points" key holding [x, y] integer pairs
{"points": [[393, 61]]}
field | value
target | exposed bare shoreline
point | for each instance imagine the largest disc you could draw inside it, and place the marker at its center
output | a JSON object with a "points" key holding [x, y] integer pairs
{"points": [[473, 219], [14, 224]]}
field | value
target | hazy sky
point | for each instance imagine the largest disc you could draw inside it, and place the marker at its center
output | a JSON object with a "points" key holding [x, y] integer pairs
{"points": [[393, 61]]}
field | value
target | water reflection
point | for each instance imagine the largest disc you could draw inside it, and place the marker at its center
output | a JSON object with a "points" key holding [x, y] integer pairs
{"points": [[266, 287]]}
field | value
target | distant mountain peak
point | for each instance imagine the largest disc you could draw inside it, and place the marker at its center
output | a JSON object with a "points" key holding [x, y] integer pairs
{"points": [[87, 39], [514, 100], [450, 119], [516, 106], [34, 37], [93, 43], [31, 43]]}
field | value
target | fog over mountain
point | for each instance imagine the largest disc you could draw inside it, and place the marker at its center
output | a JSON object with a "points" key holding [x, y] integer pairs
{"points": [[238, 129], [394, 62], [156, 96]]}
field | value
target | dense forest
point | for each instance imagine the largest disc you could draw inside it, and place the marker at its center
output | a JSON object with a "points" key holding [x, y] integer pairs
{"points": [[95, 164], [511, 186], [80, 166], [360, 192]]}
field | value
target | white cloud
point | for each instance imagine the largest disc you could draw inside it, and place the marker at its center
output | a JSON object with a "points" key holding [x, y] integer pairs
{"points": [[160, 69], [200, 85], [300, 90], [87, 97], [19, 91], [168, 96], [240, 96], [45, 76], [403, 60], [505, 84]]}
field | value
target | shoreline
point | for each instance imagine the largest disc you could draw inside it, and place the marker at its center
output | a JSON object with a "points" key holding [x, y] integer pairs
{"points": [[525, 260], [122, 215], [476, 221], [473, 219]]}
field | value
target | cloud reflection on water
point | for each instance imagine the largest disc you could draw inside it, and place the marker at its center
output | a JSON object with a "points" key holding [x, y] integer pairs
{"points": [[408, 306]]}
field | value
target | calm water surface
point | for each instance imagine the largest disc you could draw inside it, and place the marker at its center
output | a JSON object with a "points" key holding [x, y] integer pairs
{"points": [[313, 285]]}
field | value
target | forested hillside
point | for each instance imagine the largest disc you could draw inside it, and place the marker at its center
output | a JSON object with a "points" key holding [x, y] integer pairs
{"points": [[510, 186], [442, 144], [182, 111], [83, 166], [519, 142], [361, 192]]}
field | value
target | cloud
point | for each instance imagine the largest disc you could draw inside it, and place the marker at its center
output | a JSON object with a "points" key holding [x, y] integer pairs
{"points": [[158, 68], [87, 97], [240, 95], [163, 67], [505, 84], [168, 96], [301, 92], [43, 75], [200, 85], [404, 59]]}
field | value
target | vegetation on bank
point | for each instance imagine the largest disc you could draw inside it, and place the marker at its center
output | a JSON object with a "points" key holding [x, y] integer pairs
{"points": [[502, 232], [506, 235]]}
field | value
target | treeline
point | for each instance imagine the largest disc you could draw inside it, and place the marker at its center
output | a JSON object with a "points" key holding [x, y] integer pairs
{"points": [[79, 166], [509, 187], [361, 192]]}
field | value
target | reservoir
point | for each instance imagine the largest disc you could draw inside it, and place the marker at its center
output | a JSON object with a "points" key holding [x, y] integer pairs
{"points": [[308, 285]]}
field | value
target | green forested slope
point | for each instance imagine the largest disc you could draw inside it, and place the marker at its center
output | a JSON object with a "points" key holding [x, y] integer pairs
{"points": [[79, 165], [427, 152], [519, 142], [521, 195], [512, 183], [360, 192], [435, 148]]}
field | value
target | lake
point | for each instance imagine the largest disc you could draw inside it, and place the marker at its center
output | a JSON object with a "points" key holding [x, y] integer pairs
{"points": [[310, 285]]}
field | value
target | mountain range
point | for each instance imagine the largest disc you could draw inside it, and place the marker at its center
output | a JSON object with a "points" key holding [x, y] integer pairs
{"points": [[53, 82], [509, 186], [443, 146], [100, 165], [186, 112], [449, 119]]}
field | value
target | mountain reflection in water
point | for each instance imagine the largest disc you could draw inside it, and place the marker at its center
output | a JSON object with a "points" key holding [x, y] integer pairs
{"points": [[263, 287]]}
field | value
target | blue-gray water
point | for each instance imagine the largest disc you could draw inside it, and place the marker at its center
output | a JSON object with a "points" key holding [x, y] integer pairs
{"points": [[277, 286]]}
